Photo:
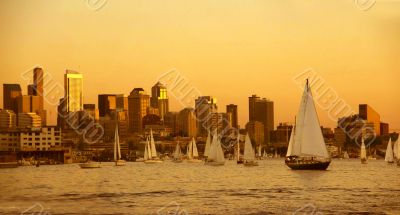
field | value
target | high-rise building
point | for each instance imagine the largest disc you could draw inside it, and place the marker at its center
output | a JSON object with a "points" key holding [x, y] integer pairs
{"points": [[92, 111], [28, 104], [187, 123], [122, 102], [10, 94], [205, 106], [29, 120], [171, 121], [8, 119], [138, 102], [384, 128], [256, 130], [371, 116], [159, 99], [39, 92], [262, 110], [107, 104], [233, 111], [221, 122], [73, 87]]}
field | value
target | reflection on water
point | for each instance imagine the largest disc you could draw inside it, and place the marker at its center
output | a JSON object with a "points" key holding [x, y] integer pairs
{"points": [[272, 188]]}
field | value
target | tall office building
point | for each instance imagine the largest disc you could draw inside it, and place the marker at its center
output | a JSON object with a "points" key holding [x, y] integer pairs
{"points": [[262, 110], [39, 92], [7, 119], [187, 123], [368, 114], [122, 102], [233, 111], [28, 104], [107, 104], [205, 106], [10, 94], [159, 99], [171, 121], [138, 103], [256, 130], [73, 87]]}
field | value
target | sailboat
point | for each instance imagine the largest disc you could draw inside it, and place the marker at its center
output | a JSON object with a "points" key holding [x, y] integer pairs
{"points": [[346, 155], [389, 152], [249, 153], [363, 152], [216, 155], [192, 153], [150, 155], [265, 154], [117, 150], [207, 147], [259, 152], [177, 157], [396, 149], [307, 149], [239, 160], [397, 152]]}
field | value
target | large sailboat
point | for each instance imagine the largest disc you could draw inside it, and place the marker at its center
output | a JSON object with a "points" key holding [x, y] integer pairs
{"points": [[117, 150], [363, 152], [177, 156], [307, 149], [239, 160], [389, 152], [216, 155], [192, 153], [249, 155], [150, 152]]}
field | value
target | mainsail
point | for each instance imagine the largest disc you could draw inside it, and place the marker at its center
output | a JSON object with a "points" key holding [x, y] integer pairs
{"points": [[208, 145], [153, 145], [177, 153], [216, 153], [396, 149], [307, 139], [389, 152], [249, 153]]}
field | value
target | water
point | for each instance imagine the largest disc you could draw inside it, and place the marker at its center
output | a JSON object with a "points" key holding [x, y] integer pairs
{"points": [[347, 187]]}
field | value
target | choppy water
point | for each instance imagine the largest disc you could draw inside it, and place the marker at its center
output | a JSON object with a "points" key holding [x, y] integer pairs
{"points": [[347, 187]]}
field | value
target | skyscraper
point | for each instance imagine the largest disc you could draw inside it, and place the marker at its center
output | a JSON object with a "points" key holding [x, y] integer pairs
{"points": [[262, 110], [10, 94], [205, 106], [39, 92], [73, 87], [159, 99], [122, 102], [233, 111], [107, 103], [138, 102], [187, 123], [368, 114]]}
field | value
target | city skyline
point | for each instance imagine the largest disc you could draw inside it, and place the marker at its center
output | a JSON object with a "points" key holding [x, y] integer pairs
{"points": [[241, 57]]}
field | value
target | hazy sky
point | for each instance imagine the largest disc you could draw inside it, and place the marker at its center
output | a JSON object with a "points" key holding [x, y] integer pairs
{"points": [[229, 49]]}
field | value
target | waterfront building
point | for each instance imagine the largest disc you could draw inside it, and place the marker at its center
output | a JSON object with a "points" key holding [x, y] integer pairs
{"points": [[187, 123], [205, 106], [171, 121], [233, 111], [122, 102], [159, 99], [262, 110], [10, 94], [8, 119], [368, 114], [138, 102], [38, 91]]}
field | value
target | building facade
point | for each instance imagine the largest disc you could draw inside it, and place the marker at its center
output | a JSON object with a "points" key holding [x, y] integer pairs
{"points": [[205, 106], [8, 119], [10, 94], [29, 120], [106, 103], [262, 110], [159, 99], [233, 111], [73, 88], [187, 123], [138, 103]]}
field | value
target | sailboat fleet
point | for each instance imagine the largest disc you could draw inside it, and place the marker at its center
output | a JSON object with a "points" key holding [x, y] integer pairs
{"points": [[192, 153], [150, 152], [215, 154]]}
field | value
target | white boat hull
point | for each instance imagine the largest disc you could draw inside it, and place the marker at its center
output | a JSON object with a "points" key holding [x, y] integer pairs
{"points": [[90, 165], [120, 163], [152, 161]]}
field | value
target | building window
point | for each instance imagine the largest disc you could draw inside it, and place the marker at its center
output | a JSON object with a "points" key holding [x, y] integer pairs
{"points": [[30, 144], [37, 138]]}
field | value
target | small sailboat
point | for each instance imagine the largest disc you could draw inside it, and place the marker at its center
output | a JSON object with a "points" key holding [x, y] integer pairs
{"points": [[259, 152], [192, 152], [363, 152], [307, 149], [207, 147], [346, 155], [239, 160], [177, 157], [389, 152], [216, 155], [150, 148], [249, 153], [265, 155], [117, 150]]}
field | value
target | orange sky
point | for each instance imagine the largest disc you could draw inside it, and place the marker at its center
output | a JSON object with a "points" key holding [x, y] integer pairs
{"points": [[229, 49]]}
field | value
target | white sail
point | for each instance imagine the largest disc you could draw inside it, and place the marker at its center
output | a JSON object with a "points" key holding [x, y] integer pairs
{"points": [[308, 139], [190, 150], [220, 153], [248, 149], [389, 152], [238, 147], [153, 145], [346, 155], [291, 144], [259, 150], [363, 154], [208, 145], [396, 149], [146, 152], [195, 153], [265, 154], [115, 143], [177, 153], [213, 147]]}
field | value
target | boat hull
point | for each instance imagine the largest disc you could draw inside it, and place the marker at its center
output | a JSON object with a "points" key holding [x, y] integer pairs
{"points": [[250, 163], [92, 165], [8, 165], [308, 165], [152, 161], [214, 163], [120, 163]]}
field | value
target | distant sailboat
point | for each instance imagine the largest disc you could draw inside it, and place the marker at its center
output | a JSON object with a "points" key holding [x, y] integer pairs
{"points": [[239, 160], [259, 152], [249, 153], [389, 152], [346, 155], [208, 146], [307, 149], [265, 154], [117, 150], [177, 158], [363, 152], [396, 149], [216, 156], [151, 156], [193, 154]]}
